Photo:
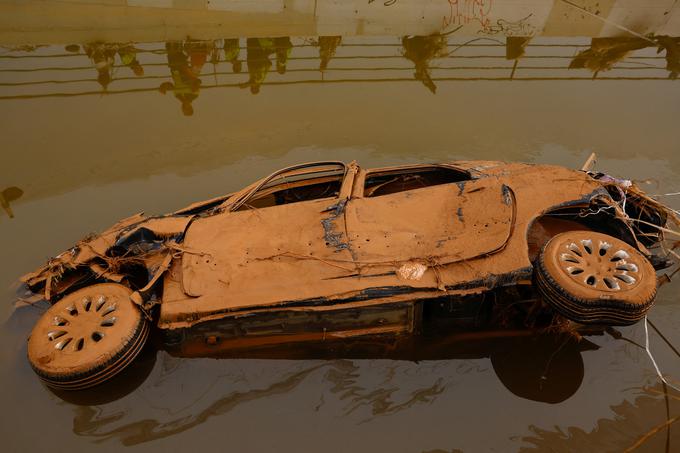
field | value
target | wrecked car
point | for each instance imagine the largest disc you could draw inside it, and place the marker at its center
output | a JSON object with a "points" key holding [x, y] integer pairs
{"points": [[329, 251]]}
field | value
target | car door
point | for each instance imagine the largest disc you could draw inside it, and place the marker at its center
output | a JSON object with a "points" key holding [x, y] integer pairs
{"points": [[427, 214], [261, 252]]}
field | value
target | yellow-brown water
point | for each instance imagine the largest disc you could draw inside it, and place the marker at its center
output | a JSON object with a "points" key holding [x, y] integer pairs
{"points": [[88, 137]]}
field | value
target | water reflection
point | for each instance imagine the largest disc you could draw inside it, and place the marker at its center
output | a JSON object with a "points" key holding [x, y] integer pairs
{"points": [[605, 53], [350, 92], [232, 51], [186, 61], [421, 50], [433, 59], [103, 57], [7, 196], [328, 45], [545, 368], [258, 52], [634, 426]]}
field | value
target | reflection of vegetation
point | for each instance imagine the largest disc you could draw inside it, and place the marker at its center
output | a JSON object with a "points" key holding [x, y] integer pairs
{"points": [[7, 196], [604, 53], [327, 48], [421, 50], [186, 61]]}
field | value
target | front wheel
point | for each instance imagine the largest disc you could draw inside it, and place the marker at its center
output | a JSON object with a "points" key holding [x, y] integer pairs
{"points": [[87, 337], [593, 278]]}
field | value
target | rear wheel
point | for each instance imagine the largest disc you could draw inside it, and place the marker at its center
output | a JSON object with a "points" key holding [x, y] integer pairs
{"points": [[87, 337], [593, 278]]}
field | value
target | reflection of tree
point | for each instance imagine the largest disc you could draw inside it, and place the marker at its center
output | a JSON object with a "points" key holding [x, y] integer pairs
{"points": [[7, 196], [327, 48], [604, 53], [186, 61], [421, 50]]}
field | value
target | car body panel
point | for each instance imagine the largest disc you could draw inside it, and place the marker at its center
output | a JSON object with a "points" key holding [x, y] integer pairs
{"points": [[442, 223], [285, 270]]}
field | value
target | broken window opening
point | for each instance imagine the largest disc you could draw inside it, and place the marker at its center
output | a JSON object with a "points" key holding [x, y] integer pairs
{"points": [[389, 182], [295, 191]]}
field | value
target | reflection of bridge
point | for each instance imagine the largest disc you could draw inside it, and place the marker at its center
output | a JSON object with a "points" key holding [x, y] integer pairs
{"points": [[48, 72]]}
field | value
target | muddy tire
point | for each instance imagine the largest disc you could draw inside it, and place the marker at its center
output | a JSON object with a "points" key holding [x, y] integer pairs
{"points": [[87, 337], [593, 278]]}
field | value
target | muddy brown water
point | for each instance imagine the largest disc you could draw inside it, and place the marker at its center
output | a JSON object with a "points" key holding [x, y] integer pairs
{"points": [[84, 156]]}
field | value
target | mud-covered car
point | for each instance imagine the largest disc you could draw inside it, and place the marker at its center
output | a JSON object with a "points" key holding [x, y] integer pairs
{"points": [[327, 251]]}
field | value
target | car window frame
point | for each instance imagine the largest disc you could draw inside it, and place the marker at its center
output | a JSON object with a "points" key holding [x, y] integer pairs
{"points": [[242, 197], [360, 181]]}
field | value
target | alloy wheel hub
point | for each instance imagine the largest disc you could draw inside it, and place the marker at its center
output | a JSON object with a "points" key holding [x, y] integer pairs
{"points": [[597, 264]]}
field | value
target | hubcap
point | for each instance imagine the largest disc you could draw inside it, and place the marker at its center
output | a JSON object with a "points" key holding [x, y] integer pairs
{"points": [[83, 324], [83, 330], [597, 264]]}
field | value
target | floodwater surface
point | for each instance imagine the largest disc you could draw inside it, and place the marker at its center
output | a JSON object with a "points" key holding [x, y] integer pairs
{"points": [[112, 108]]}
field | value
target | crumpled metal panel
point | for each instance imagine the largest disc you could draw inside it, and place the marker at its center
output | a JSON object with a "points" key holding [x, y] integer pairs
{"points": [[440, 224]]}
